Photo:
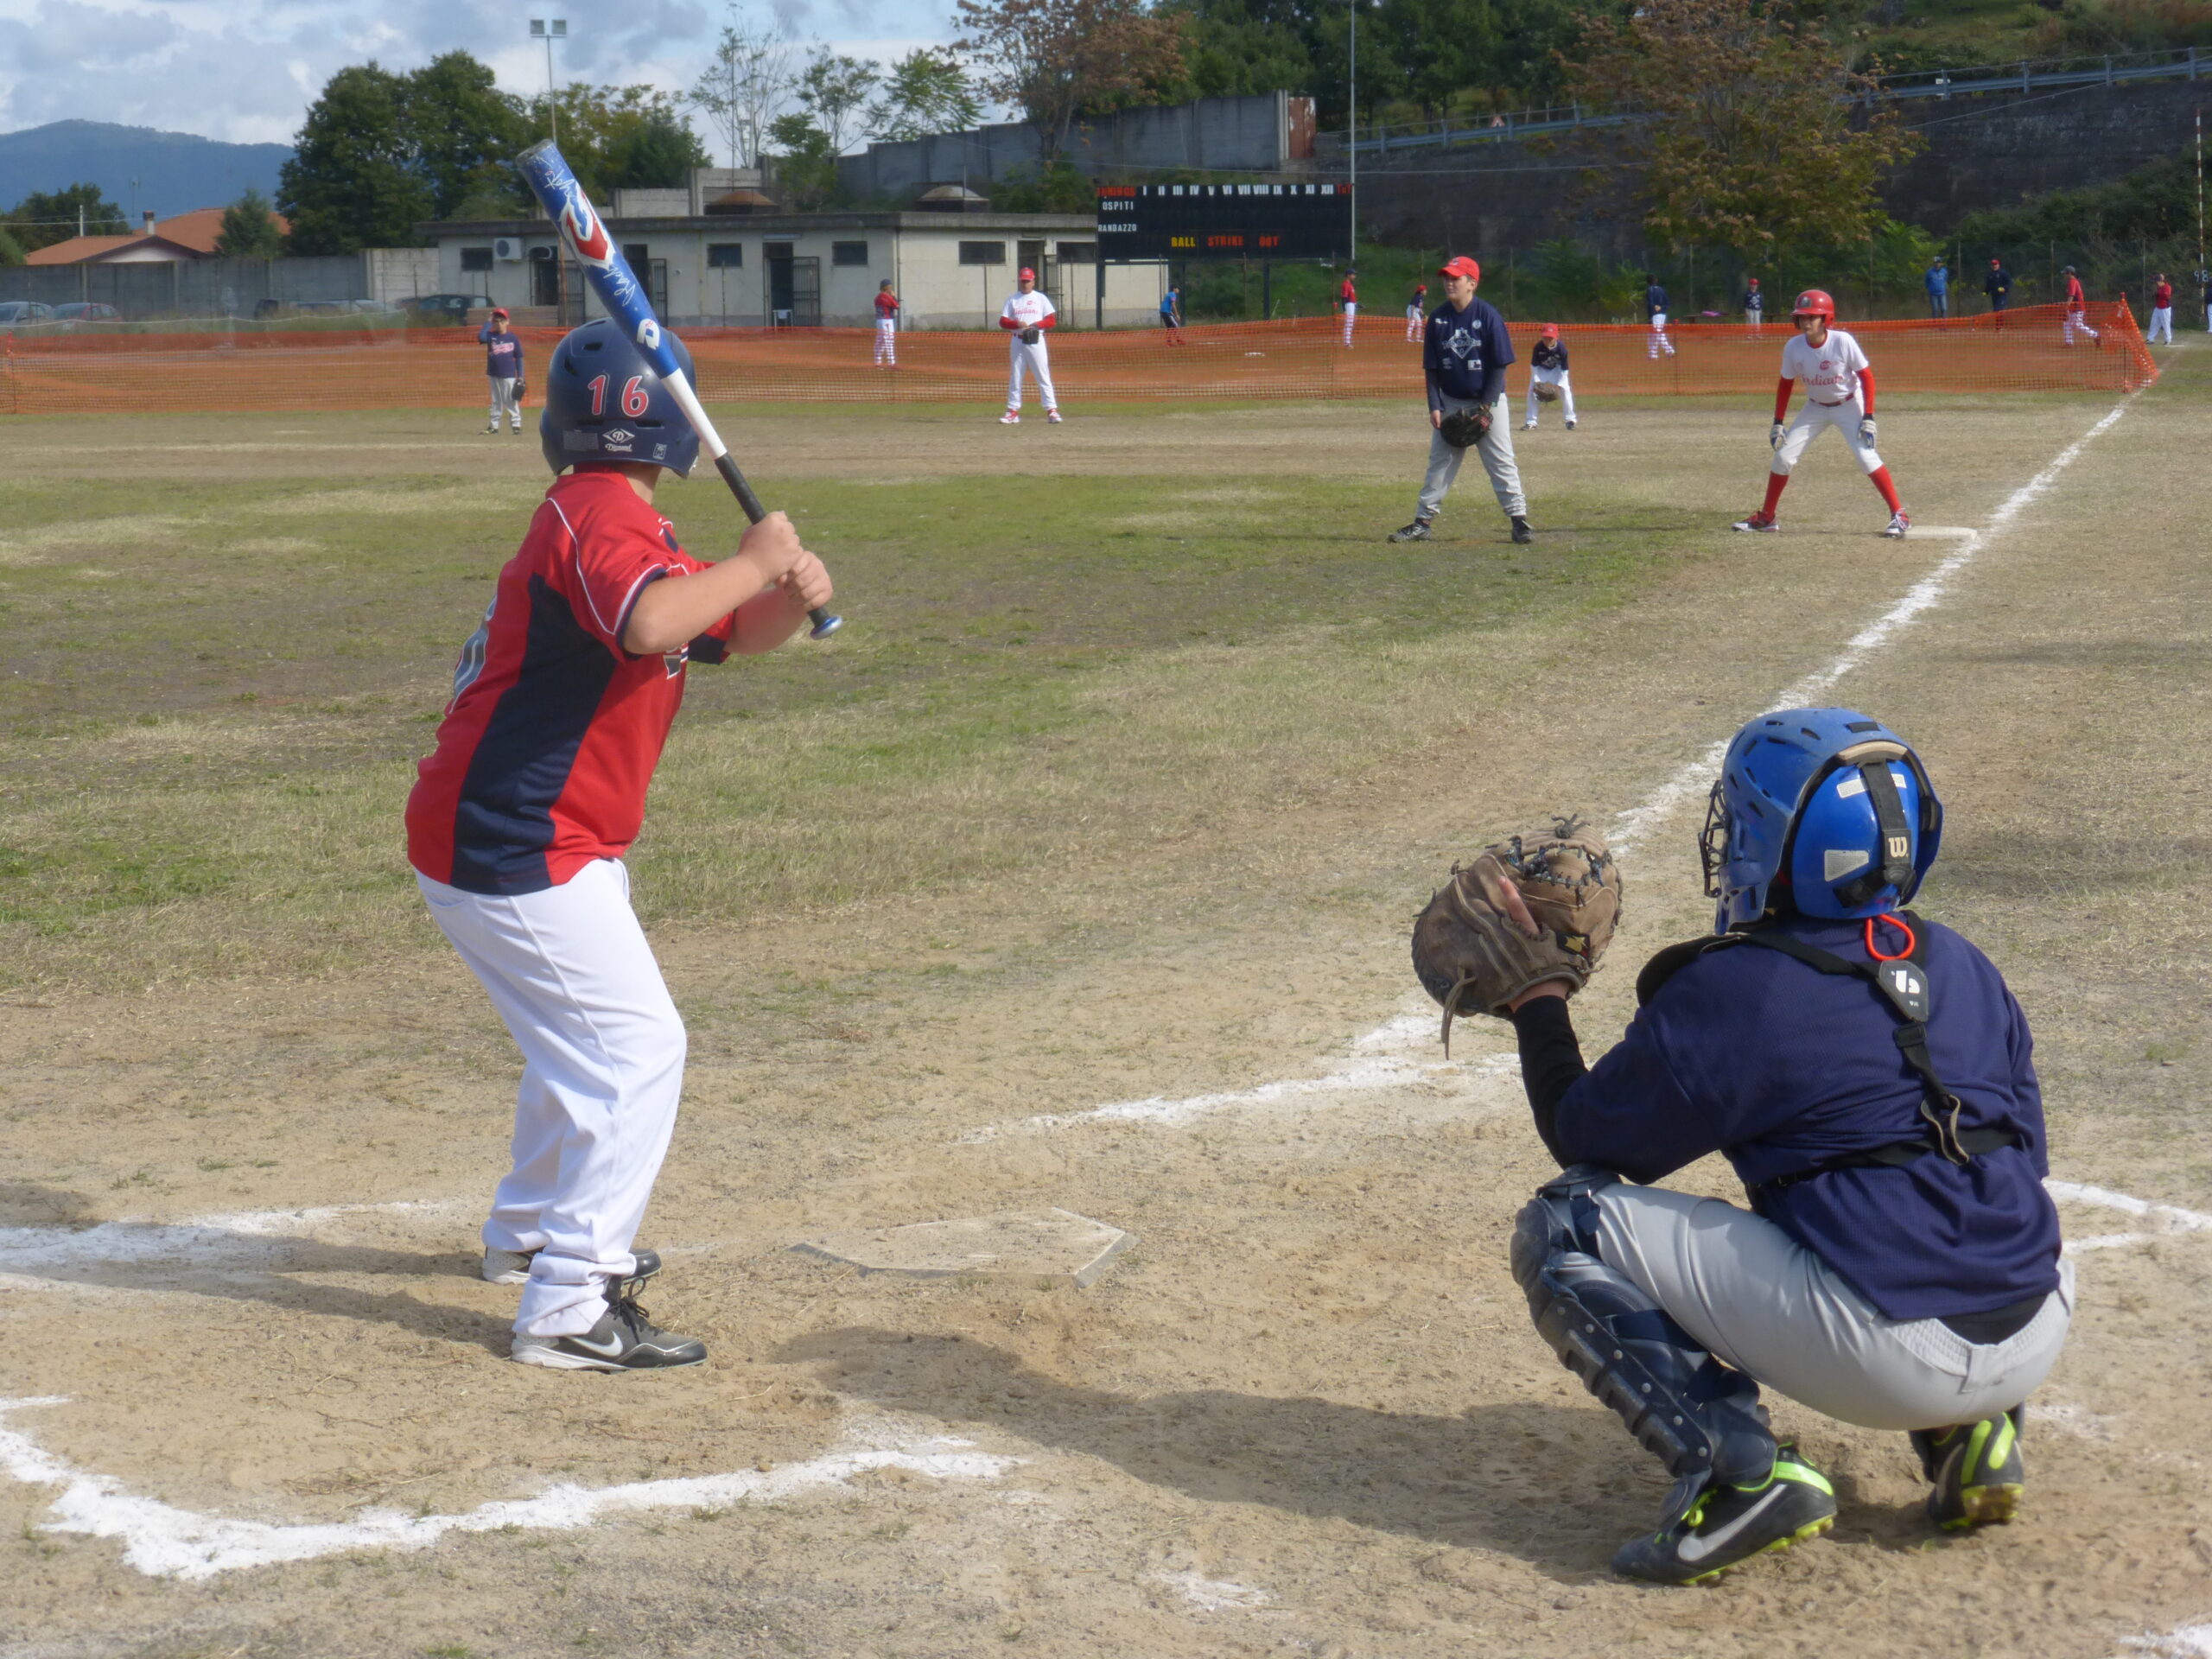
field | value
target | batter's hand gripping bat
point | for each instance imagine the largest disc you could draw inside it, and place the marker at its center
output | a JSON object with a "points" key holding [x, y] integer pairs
{"points": [[626, 302]]}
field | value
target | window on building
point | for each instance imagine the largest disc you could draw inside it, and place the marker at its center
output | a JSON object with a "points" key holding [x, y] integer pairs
{"points": [[725, 255], [476, 258], [982, 253], [848, 253], [637, 254], [1078, 253]]}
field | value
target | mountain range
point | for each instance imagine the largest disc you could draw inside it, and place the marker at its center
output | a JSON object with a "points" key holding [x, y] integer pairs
{"points": [[135, 168]]}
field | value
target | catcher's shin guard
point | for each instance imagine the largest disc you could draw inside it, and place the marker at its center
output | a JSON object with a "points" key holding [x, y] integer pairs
{"points": [[1697, 1416]]}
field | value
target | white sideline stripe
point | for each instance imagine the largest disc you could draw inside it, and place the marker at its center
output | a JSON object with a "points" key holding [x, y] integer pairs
{"points": [[2191, 1642], [1360, 1072], [164, 1542], [203, 1243]]}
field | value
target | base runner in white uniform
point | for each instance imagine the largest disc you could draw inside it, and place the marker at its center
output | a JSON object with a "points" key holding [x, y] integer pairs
{"points": [[1027, 314], [1838, 392]]}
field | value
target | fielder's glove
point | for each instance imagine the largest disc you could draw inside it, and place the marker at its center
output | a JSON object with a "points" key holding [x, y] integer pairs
{"points": [[521, 391], [1866, 429], [1473, 957], [1774, 438], [1464, 427], [1031, 334], [1547, 391]]}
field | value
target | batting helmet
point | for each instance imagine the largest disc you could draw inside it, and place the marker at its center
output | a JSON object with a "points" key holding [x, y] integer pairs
{"points": [[605, 401], [1829, 805], [1815, 302]]}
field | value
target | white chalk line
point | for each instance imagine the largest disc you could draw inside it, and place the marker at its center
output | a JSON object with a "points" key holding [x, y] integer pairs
{"points": [[2166, 1220], [1365, 1069], [1212, 1595], [162, 1540], [246, 1240], [2191, 1642]]}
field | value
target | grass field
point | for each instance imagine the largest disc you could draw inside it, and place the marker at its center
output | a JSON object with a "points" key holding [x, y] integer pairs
{"points": [[1139, 752]]}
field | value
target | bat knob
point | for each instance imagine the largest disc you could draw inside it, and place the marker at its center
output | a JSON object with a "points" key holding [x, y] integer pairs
{"points": [[825, 624]]}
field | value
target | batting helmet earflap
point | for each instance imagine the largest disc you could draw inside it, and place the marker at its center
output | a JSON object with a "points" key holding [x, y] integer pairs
{"points": [[604, 401], [1815, 302]]}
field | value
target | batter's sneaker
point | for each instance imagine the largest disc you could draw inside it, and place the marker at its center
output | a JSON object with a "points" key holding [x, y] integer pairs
{"points": [[1010, 418], [1416, 532], [625, 1339], [1730, 1524], [1764, 521], [1900, 522], [1521, 534], [1977, 1469], [1052, 415], [513, 1266]]}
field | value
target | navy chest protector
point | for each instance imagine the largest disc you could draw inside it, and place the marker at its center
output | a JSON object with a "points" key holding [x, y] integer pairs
{"points": [[1902, 984]]}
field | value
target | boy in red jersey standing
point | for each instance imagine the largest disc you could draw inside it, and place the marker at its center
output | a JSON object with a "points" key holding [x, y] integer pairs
{"points": [[519, 821]]}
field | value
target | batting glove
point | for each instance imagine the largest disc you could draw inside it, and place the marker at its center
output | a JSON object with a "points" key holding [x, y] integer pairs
{"points": [[1774, 438], [1866, 431]]}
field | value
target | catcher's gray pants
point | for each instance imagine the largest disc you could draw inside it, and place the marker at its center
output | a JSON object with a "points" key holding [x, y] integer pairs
{"points": [[1759, 1301], [502, 401], [1496, 449]]}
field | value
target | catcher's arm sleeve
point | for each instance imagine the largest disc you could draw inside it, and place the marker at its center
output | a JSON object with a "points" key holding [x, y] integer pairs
{"points": [[1866, 393], [1781, 390], [1551, 1060]]}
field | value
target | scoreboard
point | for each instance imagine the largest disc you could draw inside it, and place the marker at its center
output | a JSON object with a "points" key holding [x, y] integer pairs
{"points": [[1223, 221]]}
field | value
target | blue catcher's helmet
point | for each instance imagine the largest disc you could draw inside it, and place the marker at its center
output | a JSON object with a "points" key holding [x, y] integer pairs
{"points": [[1833, 807], [604, 402]]}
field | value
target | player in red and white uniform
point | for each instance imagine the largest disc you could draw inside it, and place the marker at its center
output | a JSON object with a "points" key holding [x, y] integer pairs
{"points": [[1027, 314], [521, 814], [1838, 385], [2162, 313], [887, 326], [1347, 299], [2076, 319], [1417, 313]]}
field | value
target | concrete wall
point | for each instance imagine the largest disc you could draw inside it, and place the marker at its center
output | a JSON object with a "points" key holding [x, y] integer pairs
{"points": [[394, 274], [1255, 134], [196, 287]]}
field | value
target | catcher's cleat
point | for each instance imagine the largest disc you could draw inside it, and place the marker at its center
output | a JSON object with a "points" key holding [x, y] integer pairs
{"points": [[1416, 532], [625, 1339], [1052, 415], [1977, 1469], [1009, 419], [1899, 522], [1521, 534], [1728, 1525], [1765, 521], [513, 1266]]}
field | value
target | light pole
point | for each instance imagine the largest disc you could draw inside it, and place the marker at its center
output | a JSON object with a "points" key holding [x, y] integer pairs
{"points": [[555, 29], [1351, 130]]}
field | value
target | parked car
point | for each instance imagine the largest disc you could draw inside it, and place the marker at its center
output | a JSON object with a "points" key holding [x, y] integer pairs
{"points": [[86, 311], [372, 308], [446, 307], [16, 311]]}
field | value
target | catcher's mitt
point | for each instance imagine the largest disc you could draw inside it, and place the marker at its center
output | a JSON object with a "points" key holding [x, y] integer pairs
{"points": [[1472, 955], [1464, 427], [1031, 334], [1545, 392]]}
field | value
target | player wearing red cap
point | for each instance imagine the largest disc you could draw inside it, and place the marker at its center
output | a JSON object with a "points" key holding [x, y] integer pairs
{"points": [[1027, 315], [2076, 319], [887, 326], [1464, 357], [1348, 300], [1417, 311], [1548, 367], [1838, 392], [503, 367]]}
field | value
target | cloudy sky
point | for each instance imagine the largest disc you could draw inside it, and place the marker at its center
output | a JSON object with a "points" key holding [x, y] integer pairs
{"points": [[246, 70]]}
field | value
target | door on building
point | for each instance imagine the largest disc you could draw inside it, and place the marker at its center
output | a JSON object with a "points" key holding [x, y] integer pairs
{"points": [[794, 286], [544, 276]]}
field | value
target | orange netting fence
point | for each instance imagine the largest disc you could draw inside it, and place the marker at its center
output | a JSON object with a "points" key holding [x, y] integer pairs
{"points": [[2023, 350]]}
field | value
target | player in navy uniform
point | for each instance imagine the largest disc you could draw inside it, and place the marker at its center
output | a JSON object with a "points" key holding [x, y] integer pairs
{"points": [[1548, 367], [503, 368], [1868, 1075], [1464, 357], [1754, 304]]}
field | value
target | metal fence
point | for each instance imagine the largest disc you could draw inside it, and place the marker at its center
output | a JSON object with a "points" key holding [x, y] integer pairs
{"points": [[190, 288]]}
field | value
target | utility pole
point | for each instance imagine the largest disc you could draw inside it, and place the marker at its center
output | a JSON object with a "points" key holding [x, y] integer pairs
{"points": [[550, 31], [1351, 131]]}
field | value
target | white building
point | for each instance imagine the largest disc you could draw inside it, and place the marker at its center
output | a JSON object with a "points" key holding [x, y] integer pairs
{"points": [[720, 252]]}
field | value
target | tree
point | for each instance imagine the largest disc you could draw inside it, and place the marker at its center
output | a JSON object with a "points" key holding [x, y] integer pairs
{"points": [[834, 90], [46, 217], [925, 91], [352, 181], [1059, 59], [655, 154], [463, 129], [11, 251], [624, 137], [1752, 135], [746, 85], [249, 229], [806, 165]]}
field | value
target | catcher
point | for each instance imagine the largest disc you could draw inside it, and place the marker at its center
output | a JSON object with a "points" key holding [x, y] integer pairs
{"points": [[1465, 355], [1865, 1072]]}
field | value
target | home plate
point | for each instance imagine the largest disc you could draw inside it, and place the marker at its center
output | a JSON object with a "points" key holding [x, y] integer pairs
{"points": [[1043, 1247]]}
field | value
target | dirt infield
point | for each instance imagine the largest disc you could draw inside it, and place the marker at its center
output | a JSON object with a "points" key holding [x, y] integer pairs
{"points": [[2026, 349], [259, 1408]]}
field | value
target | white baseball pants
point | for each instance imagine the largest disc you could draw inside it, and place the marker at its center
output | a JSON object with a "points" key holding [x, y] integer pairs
{"points": [[1550, 378], [2075, 322], [2162, 325], [1659, 341], [1496, 450], [886, 342], [576, 986], [1755, 1299], [1806, 425], [503, 401], [1033, 359], [1351, 311], [1414, 321]]}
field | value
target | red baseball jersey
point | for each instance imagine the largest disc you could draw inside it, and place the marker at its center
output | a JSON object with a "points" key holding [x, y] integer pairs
{"points": [[1348, 294], [548, 746], [2075, 300], [2161, 297], [886, 305]]}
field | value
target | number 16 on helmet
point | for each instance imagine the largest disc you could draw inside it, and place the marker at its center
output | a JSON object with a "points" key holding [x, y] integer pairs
{"points": [[605, 401]]}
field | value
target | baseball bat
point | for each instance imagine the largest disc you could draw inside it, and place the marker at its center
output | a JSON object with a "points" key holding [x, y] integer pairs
{"points": [[626, 301]]}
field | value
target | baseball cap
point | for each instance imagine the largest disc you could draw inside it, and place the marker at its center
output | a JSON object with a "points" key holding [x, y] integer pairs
{"points": [[1026, 275], [500, 312], [1461, 266], [1551, 331]]}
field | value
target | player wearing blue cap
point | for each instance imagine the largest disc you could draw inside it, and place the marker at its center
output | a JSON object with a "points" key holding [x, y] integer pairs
{"points": [[1868, 1075]]}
